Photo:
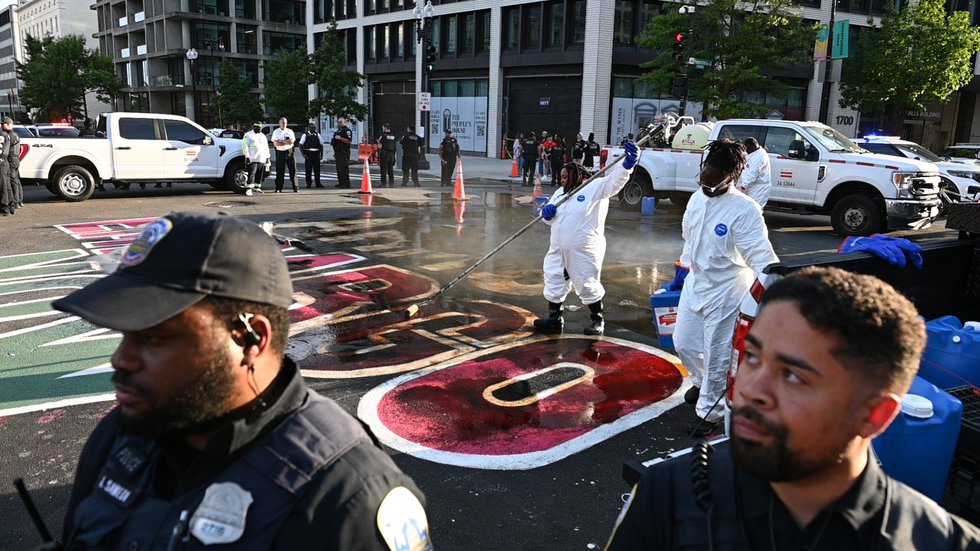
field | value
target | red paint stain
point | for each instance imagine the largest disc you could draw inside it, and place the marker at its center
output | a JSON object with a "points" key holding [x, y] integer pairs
{"points": [[445, 410], [51, 416]]}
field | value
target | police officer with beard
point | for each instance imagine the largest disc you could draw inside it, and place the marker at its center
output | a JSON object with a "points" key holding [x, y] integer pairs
{"points": [[388, 143], [825, 365], [411, 150], [216, 439]]}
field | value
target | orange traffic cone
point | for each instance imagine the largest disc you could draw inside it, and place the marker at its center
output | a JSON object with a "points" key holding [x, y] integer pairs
{"points": [[514, 170], [366, 179], [367, 199], [538, 192], [459, 209], [458, 193]]}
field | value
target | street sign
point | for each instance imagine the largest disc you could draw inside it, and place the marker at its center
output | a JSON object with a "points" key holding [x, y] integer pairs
{"points": [[425, 99]]}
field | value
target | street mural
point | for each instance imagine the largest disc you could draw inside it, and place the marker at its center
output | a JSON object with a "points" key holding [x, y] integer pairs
{"points": [[469, 385]]}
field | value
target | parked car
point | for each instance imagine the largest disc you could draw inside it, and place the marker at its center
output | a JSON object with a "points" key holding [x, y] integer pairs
{"points": [[968, 153], [963, 180]]}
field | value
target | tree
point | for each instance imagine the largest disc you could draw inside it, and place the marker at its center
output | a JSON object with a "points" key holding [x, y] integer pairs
{"points": [[235, 102], [743, 45], [287, 79], [60, 71], [919, 55], [336, 85]]}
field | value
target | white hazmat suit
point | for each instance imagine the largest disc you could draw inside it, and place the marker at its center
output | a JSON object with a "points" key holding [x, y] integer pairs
{"points": [[756, 178], [578, 241], [726, 243]]}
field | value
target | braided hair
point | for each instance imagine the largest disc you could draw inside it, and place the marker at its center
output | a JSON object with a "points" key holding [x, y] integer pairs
{"points": [[727, 156], [576, 175]]}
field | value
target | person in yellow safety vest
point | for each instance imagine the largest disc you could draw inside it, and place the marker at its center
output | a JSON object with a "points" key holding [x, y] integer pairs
{"points": [[255, 146]]}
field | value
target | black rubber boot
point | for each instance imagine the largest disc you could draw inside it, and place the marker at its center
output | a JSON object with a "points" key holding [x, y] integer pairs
{"points": [[551, 325], [597, 326]]}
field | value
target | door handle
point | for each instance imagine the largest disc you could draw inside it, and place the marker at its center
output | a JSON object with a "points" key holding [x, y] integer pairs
{"points": [[124, 147], [170, 149]]}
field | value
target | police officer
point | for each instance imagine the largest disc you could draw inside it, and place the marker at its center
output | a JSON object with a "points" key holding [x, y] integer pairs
{"points": [[312, 147], [529, 150], [578, 149], [592, 152], [825, 364], [448, 154], [216, 439], [341, 141], [6, 193], [411, 148], [13, 164], [387, 143], [284, 140]]}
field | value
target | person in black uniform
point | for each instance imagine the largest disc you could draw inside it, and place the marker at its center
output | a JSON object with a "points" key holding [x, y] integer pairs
{"points": [[592, 152], [13, 164], [342, 139], [825, 364], [529, 150], [578, 149], [448, 154], [557, 160], [386, 155], [312, 147], [216, 439], [411, 148]]}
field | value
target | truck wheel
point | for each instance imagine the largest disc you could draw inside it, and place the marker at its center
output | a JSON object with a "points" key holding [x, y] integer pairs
{"points": [[632, 194], [856, 214], [74, 183], [236, 176]]}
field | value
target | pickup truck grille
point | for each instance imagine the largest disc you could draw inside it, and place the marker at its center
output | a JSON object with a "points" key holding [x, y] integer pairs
{"points": [[925, 185]]}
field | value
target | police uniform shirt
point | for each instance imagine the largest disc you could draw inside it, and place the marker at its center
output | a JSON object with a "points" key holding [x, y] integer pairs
{"points": [[340, 148], [388, 141], [281, 135], [310, 142], [411, 144], [751, 516], [450, 148], [338, 510], [530, 148]]}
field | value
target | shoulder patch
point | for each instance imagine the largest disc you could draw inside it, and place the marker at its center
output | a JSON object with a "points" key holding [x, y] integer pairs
{"points": [[402, 522], [145, 241]]}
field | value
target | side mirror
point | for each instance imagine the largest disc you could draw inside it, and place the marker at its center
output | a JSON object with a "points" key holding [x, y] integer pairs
{"points": [[208, 140], [797, 150]]}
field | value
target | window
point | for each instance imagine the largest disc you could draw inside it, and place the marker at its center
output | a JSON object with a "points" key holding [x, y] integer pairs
{"points": [[555, 29], [369, 46], [384, 42], [136, 129], [180, 131], [778, 140], [469, 32], [578, 21], [400, 40], [648, 10], [246, 41], [467, 88], [512, 28], [450, 45], [483, 34], [532, 40], [623, 24], [275, 41]]}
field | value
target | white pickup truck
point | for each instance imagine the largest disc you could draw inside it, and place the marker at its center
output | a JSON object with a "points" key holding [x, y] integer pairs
{"points": [[815, 170], [133, 148]]}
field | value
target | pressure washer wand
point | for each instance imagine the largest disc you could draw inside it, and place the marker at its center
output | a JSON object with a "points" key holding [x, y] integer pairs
{"points": [[32, 511], [645, 135]]}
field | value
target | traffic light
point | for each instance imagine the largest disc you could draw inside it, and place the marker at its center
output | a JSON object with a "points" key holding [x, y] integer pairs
{"points": [[679, 46], [678, 88], [430, 56]]}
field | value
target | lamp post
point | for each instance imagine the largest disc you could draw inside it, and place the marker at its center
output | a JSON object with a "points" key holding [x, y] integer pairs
{"points": [[192, 57], [423, 16], [690, 33]]}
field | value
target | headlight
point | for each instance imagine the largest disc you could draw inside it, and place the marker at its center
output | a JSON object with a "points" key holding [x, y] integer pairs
{"points": [[970, 175], [902, 180]]}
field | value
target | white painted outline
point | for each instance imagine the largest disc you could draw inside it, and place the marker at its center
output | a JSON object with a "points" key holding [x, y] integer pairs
{"points": [[367, 410], [111, 397]]}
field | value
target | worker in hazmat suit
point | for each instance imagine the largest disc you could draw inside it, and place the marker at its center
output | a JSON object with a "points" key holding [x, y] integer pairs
{"points": [[726, 244], [756, 179], [578, 241], [255, 146]]}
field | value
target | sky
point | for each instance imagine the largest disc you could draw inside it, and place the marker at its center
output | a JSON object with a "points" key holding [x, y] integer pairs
{"points": [[5, 3]]}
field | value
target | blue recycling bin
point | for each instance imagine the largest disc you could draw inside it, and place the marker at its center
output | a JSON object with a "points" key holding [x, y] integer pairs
{"points": [[952, 354], [918, 447]]}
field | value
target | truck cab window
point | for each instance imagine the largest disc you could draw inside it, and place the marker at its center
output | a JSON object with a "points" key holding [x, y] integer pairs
{"points": [[180, 131], [778, 140], [137, 129]]}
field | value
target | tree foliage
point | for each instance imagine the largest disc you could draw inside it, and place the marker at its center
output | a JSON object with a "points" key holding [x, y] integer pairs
{"points": [[918, 55], [286, 83], [60, 71], [745, 44], [337, 86], [235, 102]]}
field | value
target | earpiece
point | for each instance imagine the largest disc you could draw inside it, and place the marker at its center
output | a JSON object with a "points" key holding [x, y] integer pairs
{"points": [[251, 337]]}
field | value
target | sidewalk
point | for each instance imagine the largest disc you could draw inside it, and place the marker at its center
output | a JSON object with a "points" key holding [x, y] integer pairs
{"points": [[486, 170]]}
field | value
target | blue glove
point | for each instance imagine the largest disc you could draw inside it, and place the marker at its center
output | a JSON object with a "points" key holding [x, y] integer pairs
{"points": [[680, 273], [895, 250], [548, 211], [632, 155]]}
